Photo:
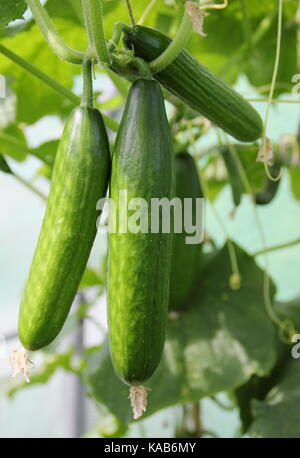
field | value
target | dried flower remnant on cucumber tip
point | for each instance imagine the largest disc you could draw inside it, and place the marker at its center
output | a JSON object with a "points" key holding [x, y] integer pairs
{"points": [[138, 400], [19, 361]]}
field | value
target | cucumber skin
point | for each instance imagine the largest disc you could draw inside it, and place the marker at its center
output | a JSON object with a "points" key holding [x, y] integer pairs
{"points": [[80, 177], [185, 258], [139, 264], [197, 86]]}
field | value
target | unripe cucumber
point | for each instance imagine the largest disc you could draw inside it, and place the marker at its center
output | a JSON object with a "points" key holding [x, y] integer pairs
{"points": [[235, 181], [139, 263], [185, 257], [197, 86], [270, 188], [79, 179]]}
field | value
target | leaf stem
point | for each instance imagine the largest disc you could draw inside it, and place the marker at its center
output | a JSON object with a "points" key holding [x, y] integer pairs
{"points": [[54, 40], [281, 246], [273, 100], [130, 11], [93, 15], [175, 47], [87, 95]]}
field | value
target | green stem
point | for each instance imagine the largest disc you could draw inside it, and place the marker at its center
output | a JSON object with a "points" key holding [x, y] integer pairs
{"points": [[273, 100], [51, 82], [30, 186], [130, 11], [92, 10], [54, 40], [281, 246], [273, 83], [87, 95], [174, 49]]}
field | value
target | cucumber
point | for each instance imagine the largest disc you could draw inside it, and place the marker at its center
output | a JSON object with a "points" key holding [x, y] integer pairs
{"points": [[269, 191], [235, 181], [185, 258], [139, 263], [80, 177], [197, 86]]}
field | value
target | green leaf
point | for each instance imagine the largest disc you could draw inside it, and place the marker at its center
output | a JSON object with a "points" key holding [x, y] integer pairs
{"points": [[32, 92], [4, 167], [13, 143], [46, 151], [68, 9], [258, 387], [90, 278], [11, 10], [278, 415], [218, 343]]}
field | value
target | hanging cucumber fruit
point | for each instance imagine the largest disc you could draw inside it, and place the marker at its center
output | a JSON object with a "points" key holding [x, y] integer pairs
{"points": [[235, 181], [196, 85], [139, 260], [185, 258], [269, 191], [80, 178]]}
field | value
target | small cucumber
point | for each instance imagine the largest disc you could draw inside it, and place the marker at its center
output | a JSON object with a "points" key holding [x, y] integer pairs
{"points": [[79, 179], [197, 86], [185, 257], [269, 191], [235, 181], [139, 263]]}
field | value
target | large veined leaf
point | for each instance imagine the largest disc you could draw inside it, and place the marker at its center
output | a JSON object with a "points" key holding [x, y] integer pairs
{"points": [[210, 348], [258, 390], [278, 415]]}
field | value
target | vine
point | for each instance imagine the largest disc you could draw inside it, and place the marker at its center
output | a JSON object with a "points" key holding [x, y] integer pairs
{"points": [[92, 10], [273, 83]]}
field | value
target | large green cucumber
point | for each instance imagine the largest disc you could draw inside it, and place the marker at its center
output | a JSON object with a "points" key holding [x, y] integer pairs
{"points": [[197, 86], [185, 258], [80, 177], [139, 263]]}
